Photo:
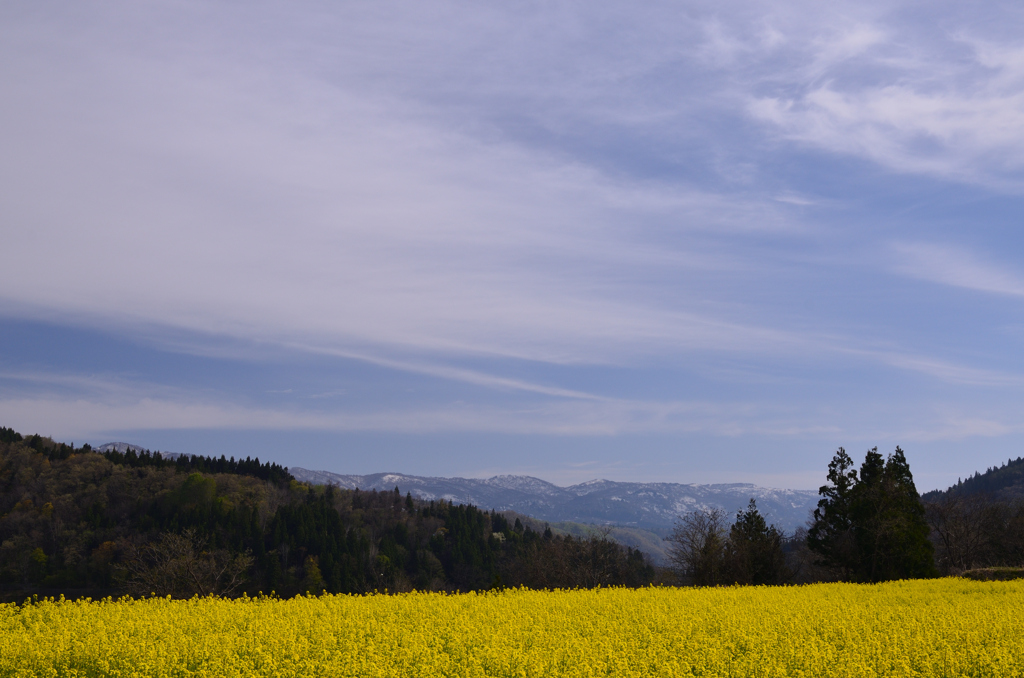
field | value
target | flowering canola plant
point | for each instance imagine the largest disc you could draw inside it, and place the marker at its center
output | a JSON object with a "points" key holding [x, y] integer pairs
{"points": [[947, 627]]}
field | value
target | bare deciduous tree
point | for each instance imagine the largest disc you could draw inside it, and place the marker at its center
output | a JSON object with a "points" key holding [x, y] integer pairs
{"points": [[179, 565], [697, 547], [961, 531]]}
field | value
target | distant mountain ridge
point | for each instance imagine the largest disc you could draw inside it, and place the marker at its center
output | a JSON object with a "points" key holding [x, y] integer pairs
{"points": [[651, 506], [129, 447]]}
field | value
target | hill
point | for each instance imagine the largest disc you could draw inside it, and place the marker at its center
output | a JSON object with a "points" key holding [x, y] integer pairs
{"points": [[76, 521], [1000, 483], [653, 545]]}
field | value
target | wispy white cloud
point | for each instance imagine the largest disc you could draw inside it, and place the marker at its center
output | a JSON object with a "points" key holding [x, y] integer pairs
{"points": [[39, 401], [97, 404], [91, 417], [455, 192], [795, 199], [282, 206], [298, 202], [957, 267], [943, 371], [912, 97], [958, 428], [64, 417]]}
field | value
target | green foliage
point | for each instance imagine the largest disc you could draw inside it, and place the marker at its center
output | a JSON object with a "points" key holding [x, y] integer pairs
{"points": [[872, 527], [9, 435], [832, 534], [313, 581], [186, 463], [754, 551], [72, 519]]}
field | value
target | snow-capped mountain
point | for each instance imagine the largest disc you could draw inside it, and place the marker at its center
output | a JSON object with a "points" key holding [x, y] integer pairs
{"points": [[119, 447], [652, 506]]}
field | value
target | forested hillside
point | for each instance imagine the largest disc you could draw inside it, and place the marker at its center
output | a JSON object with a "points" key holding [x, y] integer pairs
{"points": [[79, 521], [979, 522], [74, 520], [998, 482]]}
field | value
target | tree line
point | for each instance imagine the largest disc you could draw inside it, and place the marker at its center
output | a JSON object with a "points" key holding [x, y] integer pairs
{"points": [[272, 472], [75, 520], [870, 525]]}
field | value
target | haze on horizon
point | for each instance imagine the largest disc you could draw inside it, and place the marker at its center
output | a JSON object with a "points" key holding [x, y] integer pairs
{"points": [[680, 242]]}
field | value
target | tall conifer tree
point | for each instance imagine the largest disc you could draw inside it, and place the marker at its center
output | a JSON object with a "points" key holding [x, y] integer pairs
{"points": [[832, 536], [872, 527]]}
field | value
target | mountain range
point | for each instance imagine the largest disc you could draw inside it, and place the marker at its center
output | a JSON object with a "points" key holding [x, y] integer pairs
{"points": [[649, 506]]}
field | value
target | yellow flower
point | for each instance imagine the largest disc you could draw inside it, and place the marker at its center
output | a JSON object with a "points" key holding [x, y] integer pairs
{"points": [[947, 627]]}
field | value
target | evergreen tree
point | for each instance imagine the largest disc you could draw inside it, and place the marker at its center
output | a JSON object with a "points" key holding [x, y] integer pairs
{"points": [[831, 536], [870, 500], [755, 550], [892, 532], [872, 527]]}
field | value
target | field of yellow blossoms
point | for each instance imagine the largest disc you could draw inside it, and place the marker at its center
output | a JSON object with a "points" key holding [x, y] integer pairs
{"points": [[946, 627]]}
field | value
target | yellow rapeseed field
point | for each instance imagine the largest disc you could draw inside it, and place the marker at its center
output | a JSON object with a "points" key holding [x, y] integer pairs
{"points": [[948, 627]]}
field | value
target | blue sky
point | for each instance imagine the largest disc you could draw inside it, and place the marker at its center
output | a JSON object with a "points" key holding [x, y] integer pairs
{"points": [[684, 241]]}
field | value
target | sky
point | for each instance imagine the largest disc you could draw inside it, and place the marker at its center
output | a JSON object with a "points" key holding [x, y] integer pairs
{"points": [[675, 241]]}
